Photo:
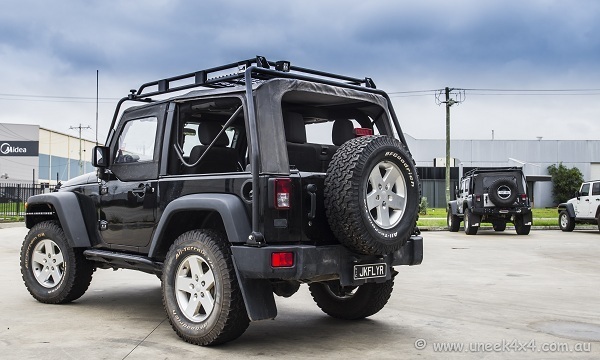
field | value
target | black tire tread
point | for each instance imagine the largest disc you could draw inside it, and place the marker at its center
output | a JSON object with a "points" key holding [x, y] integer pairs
{"points": [[520, 227], [368, 300], [454, 221], [469, 229], [340, 195], [236, 321], [571, 224], [80, 272]]}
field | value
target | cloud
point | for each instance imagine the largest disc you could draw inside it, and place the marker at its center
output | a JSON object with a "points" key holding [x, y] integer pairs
{"points": [[55, 48]]}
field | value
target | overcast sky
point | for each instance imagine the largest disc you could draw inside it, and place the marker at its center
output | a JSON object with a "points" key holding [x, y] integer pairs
{"points": [[50, 51]]}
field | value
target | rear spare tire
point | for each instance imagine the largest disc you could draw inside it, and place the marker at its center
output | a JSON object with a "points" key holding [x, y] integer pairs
{"points": [[503, 192], [372, 194]]}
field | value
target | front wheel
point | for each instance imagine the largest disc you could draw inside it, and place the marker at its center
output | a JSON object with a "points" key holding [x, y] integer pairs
{"points": [[351, 303], [565, 222], [53, 271], [201, 294]]}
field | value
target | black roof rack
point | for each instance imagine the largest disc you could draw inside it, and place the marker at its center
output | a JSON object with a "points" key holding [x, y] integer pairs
{"points": [[232, 74], [488, 170]]}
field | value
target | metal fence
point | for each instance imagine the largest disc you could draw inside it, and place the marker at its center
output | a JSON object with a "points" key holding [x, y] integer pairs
{"points": [[14, 196]]}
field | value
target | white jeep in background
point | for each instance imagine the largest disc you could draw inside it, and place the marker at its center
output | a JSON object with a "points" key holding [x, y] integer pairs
{"points": [[582, 209]]}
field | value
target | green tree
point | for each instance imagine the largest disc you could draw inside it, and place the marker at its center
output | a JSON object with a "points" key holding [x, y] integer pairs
{"points": [[565, 181]]}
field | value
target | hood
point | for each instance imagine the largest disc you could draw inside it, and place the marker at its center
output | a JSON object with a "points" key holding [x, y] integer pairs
{"points": [[88, 178]]}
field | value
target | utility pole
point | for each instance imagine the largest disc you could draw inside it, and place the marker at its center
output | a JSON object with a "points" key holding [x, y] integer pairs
{"points": [[459, 95], [80, 157]]}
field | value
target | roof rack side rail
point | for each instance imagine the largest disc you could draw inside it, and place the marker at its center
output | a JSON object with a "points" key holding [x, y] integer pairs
{"points": [[201, 78], [211, 79]]}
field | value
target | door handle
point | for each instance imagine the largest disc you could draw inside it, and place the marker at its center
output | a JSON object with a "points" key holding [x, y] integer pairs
{"points": [[312, 190], [142, 189]]}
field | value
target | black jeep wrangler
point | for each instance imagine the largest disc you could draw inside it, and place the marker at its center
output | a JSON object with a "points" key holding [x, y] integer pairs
{"points": [[496, 195], [267, 177]]}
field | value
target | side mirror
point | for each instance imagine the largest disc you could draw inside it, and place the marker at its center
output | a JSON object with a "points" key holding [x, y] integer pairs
{"points": [[577, 194], [100, 156]]}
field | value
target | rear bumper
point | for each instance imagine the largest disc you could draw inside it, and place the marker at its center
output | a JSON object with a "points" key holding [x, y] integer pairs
{"points": [[320, 263], [501, 211]]}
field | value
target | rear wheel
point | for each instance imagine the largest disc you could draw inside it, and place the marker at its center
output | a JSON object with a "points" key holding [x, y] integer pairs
{"points": [[469, 228], [565, 222], [453, 221], [53, 271], [351, 303], [520, 226], [499, 226], [201, 294]]}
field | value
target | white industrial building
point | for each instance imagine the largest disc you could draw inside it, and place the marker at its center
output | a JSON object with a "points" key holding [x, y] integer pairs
{"points": [[32, 154]]}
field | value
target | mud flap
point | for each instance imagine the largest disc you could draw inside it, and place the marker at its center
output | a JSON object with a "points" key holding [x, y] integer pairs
{"points": [[258, 297], [474, 220], [528, 218]]}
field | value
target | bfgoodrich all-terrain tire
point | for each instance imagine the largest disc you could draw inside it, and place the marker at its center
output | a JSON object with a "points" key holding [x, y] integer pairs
{"points": [[351, 303], [372, 194], [53, 271], [201, 294]]}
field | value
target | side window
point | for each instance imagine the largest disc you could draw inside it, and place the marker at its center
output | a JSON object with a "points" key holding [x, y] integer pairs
{"points": [[596, 188], [209, 137], [585, 190], [136, 141]]}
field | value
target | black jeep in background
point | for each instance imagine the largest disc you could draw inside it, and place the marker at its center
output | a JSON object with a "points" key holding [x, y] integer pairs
{"points": [[268, 177], [496, 195]]}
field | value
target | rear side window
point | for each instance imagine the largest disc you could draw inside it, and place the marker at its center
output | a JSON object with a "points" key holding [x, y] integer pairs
{"points": [[596, 188]]}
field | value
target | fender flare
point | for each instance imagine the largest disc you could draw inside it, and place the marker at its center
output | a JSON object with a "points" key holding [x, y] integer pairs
{"points": [[453, 207], [568, 207], [72, 222], [230, 207], [257, 293]]}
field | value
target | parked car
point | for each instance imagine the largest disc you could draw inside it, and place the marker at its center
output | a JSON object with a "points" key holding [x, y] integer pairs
{"points": [[497, 195], [584, 208]]}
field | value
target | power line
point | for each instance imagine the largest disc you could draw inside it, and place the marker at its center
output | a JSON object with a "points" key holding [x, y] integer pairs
{"points": [[58, 101], [56, 97]]}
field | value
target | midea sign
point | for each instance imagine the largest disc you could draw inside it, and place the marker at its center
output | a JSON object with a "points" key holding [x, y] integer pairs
{"points": [[19, 148]]}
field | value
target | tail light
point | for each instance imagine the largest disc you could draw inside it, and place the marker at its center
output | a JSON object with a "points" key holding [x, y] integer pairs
{"points": [[283, 193], [478, 198], [523, 197], [282, 259], [362, 132]]}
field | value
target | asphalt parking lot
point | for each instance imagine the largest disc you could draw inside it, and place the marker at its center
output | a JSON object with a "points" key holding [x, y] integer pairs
{"points": [[498, 294]]}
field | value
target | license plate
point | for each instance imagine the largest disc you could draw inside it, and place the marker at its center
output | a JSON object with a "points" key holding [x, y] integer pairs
{"points": [[370, 271]]}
